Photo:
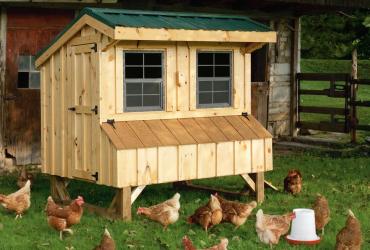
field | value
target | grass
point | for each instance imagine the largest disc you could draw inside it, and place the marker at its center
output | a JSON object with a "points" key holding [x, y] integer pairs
{"points": [[335, 66], [343, 180]]}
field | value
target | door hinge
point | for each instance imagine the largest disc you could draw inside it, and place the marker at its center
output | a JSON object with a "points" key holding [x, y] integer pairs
{"points": [[96, 176], [95, 47], [72, 108], [111, 122], [95, 109], [245, 114]]}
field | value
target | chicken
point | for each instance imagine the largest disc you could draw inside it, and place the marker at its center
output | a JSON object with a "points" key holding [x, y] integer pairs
{"points": [[349, 238], [23, 177], [270, 227], [188, 244], [165, 213], [208, 215], [19, 202], [59, 224], [72, 213], [106, 243], [322, 212], [293, 182], [235, 212]]}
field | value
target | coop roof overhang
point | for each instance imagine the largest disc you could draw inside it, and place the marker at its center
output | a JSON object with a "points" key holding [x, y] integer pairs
{"points": [[121, 24], [173, 132]]}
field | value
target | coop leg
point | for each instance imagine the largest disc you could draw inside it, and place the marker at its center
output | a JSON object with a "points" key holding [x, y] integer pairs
{"points": [[58, 189], [124, 203], [260, 186]]}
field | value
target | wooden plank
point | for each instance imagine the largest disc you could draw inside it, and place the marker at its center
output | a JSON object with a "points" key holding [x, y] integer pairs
{"points": [[107, 85], [171, 79], [113, 137], [256, 127], [206, 160], [321, 110], [187, 162], [227, 129], [145, 135], [325, 92], [323, 126], [127, 168], [225, 158], [323, 76], [211, 129], [127, 136], [238, 79], [124, 203], [86, 48], [56, 84], [162, 132], [136, 192], [94, 38], [192, 78], [241, 127], [249, 181], [183, 76], [147, 166], [242, 157], [119, 92], [247, 83], [70, 102], [250, 47], [260, 187], [167, 164], [268, 154], [258, 155], [150, 34], [195, 130], [51, 116], [179, 132], [64, 107]]}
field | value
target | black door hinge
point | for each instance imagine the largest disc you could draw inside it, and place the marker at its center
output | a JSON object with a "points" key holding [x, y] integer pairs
{"points": [[95, 109], [96, 176], [111, 122], [245, 114], [95, 47], [72, 108]]}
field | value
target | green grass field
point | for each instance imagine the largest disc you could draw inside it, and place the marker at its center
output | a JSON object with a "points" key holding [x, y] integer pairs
{"points": [[335, 66], [344, 181]]}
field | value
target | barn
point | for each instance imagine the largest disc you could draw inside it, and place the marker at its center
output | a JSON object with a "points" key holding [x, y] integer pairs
{"points": [[134, 98]]}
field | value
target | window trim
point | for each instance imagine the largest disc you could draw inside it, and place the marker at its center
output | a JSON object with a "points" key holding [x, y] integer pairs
{"points": [[153, 80], [215, 105]]}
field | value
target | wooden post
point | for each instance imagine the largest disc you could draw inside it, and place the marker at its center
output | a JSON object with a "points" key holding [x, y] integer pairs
{"points": [[124, 203], [260, 187], [353, 97], [53, 189], [294, 68], [3, 28]]}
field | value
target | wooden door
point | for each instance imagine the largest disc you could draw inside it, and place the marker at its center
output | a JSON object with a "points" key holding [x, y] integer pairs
{"points": [[83, 107]]}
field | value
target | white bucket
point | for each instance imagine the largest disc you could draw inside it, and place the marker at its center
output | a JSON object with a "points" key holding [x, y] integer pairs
{"points": [[303, 226]]}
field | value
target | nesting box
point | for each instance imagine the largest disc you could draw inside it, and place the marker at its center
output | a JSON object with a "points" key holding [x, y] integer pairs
{"points": [[133, 98]]}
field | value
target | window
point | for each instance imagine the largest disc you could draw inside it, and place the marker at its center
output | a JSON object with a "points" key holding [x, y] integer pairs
{"points": [[214, 79], [143, 81], [28, 76]]}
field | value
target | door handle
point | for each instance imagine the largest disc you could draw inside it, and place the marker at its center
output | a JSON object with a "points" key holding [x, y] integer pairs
{"points": [[95, 109], [96, 176], [72, 108]]}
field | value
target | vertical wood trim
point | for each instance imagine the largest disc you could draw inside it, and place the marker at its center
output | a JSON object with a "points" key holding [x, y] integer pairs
{"points": [[182, 76], [52, 115], [225, 158], [107, 84], [64, 111], [243, 157], [247, 83], [3, 29], [167, 164], [187, 162], [57, 128], [268, 154], [293, 71], [43, 119], [120, 97], [238, 79], [170, 87], [206, 160], [147, 166], [193, 79], [70, 116], [260, 187], [124, 203]]}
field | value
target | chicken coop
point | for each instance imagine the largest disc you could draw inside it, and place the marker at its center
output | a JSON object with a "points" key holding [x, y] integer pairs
{"points": [[135, 98]]}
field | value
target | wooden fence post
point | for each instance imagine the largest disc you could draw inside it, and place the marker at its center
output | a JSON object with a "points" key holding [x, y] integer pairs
{"points": [[354, 76]]}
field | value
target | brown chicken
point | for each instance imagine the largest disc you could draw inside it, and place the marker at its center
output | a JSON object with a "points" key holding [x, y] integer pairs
{"points": [[188, 244], [59, 224], [293, 182], [19, 202], [24, 177], [322, 212], [106, 243], [235, 212], [207, 215], [72, 213], [165, 213], [270, 227], [349, 238]]}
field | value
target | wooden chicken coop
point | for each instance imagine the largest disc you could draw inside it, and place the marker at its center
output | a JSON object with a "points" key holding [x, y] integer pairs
{"points": [[134, 98]]}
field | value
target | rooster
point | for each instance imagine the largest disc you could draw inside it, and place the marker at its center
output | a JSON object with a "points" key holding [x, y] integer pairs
{"points": [[165, 213], [19, 202], [207, 215], [349, 238], [235, 212], [188, 244], [72, 213], [293, 182], [106, 243], [270, 227], [322, 212]]}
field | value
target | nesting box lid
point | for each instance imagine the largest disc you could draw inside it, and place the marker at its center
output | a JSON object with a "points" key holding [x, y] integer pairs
{"points": [[121, 24]]}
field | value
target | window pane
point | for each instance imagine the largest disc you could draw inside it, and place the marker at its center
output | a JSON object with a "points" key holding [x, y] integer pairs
{"points": [[205, 86], [35, 80], [205, 71], [152, 100], [23, 79], [151, 88], [23, 63], [134, 58], [205, 58], [153, 72], [222, 58], [134, 72], [221, 97], [33, 62], [133, 88], [221, 85], [153, 59], [133, 101], [205, 98], [222, 71]]}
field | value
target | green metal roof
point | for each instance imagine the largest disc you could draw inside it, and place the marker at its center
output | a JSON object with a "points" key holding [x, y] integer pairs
{"points": [[168, 20], [173, 20]]}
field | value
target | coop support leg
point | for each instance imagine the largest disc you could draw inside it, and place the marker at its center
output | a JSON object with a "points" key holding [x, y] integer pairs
{"points": [[260, 186], [124, 203], [58, 189]]}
